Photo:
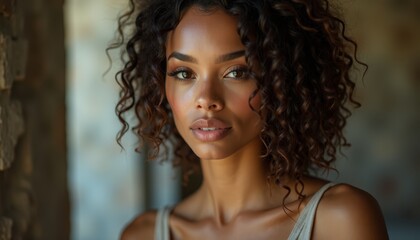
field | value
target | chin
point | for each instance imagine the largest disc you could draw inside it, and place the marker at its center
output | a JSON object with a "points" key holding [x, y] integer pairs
{"points": [[211, 154]]}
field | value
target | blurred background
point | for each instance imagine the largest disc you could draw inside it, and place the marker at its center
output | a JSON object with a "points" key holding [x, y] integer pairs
{"points": [[80, 183]]}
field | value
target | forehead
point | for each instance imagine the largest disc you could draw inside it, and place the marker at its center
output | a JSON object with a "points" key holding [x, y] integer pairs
{"points": [[213, 31]]}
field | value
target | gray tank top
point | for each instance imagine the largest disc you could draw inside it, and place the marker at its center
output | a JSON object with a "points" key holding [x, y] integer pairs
{"points": [[301, 231]]}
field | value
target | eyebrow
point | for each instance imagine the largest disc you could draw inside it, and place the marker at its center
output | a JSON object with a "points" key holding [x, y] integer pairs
{"points": [[220, 59], [182, 57], [230, 56]]}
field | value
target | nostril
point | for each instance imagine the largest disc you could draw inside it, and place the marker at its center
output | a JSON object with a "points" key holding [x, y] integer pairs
{"points": [[209, 102], [209, 107], [212, 106]]}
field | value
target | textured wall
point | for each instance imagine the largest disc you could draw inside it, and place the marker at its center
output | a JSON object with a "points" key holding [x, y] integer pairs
{"points": [[107, 184], [385, 132], [33, 175], [15, 189]]}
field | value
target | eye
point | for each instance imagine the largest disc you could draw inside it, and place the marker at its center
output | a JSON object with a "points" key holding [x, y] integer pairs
{"points": [[238, 73], [181, 74]]}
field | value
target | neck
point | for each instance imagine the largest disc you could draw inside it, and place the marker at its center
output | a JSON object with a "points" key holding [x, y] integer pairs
{"points": [[235, 184]]}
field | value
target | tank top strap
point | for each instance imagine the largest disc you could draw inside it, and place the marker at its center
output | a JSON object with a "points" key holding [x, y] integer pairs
{"points": [[162, 224], [303, 227]]}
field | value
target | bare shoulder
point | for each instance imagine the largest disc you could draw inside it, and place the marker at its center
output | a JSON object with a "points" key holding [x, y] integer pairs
{"points": [[346, 212], [142, 227]]}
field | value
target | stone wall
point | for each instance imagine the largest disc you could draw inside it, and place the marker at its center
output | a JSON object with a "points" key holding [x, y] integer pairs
{"points": [[33, 176], [384, 158]]}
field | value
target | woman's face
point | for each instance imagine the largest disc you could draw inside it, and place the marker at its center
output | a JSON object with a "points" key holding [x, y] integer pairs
{"points": [[208, 87]]}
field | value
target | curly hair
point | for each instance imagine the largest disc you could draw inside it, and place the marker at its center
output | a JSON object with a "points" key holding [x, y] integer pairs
{"points": [[303, 60]]}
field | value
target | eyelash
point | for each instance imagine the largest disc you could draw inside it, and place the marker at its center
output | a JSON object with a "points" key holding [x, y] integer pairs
{"points": [[177, 71], [240, 69]]}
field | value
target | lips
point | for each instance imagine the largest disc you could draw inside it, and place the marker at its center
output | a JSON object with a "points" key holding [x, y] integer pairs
{"points": [[209, 130]]}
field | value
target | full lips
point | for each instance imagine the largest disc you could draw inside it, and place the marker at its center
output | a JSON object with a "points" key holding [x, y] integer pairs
{"points": [[221, 129], [211, 136]]}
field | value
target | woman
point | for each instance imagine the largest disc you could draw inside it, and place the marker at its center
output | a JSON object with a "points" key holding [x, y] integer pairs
{"points": [[254, 92]]}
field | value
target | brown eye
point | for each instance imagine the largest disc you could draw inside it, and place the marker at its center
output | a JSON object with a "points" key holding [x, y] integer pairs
{"points": [[234, 74], [239, 73], [182, 74]]}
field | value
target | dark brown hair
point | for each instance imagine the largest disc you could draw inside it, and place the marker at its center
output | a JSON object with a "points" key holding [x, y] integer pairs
{"points": [[303, 59]]}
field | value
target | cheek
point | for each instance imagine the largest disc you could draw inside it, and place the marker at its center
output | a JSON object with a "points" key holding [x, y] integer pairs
{"points": [[173, 103], [171, 98], [256, 101], [176, 99], [241, 102], [170, 95], [247, 117]]}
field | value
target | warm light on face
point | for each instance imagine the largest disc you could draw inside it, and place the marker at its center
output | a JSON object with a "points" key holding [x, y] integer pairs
{"points": [[208, 85]]}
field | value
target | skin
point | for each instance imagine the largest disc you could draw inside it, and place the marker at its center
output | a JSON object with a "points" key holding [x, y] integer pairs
{"points": [[230, 204]]}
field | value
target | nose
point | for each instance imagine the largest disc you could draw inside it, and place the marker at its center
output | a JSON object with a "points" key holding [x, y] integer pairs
{"points": [[210, 96]]}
